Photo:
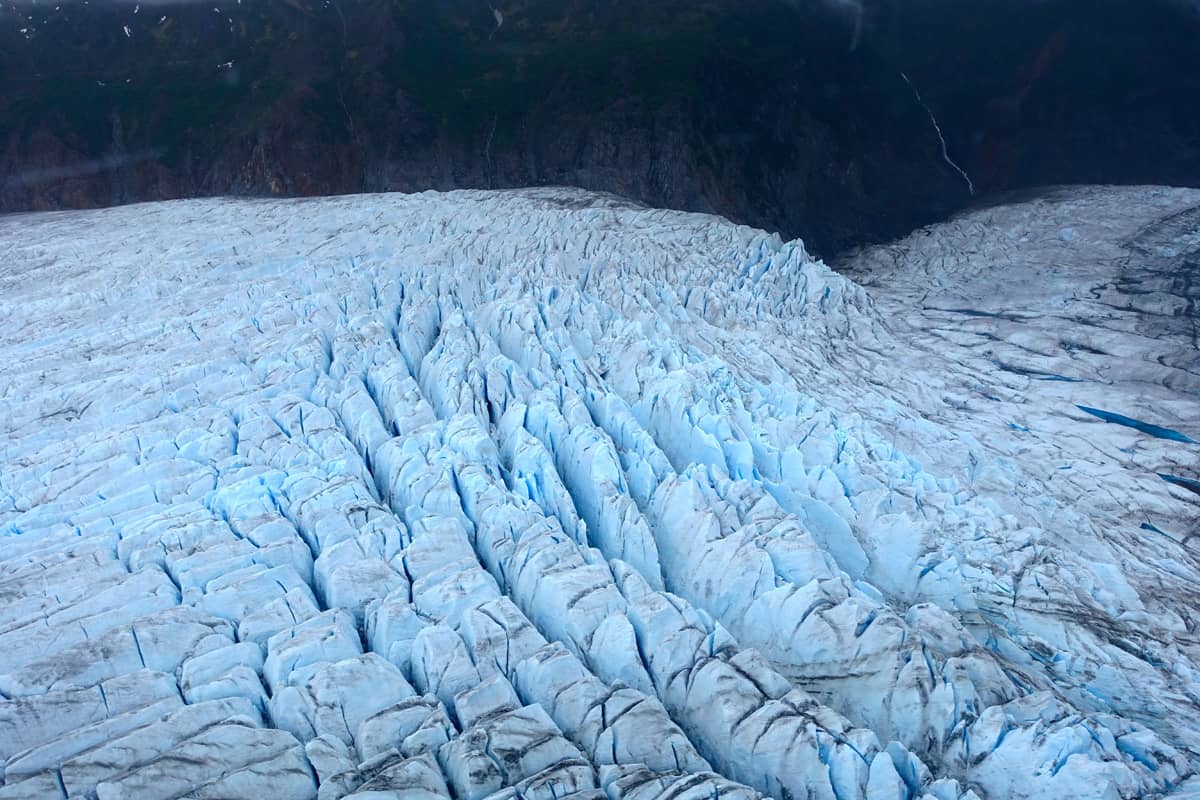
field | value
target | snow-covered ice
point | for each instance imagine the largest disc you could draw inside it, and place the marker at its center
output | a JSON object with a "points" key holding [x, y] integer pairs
{"points": [[542, 494]]}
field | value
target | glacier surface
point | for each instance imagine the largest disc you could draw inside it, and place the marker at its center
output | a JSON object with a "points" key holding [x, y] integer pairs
{"points": [[541, 494]]}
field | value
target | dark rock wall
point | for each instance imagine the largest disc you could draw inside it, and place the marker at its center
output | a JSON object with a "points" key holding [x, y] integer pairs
{"points": [[792, 116]]}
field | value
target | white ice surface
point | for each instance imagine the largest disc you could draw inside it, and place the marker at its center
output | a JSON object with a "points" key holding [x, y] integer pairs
{"points": [[541, 494]]}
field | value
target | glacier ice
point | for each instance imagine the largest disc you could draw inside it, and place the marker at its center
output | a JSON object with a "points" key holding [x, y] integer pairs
{"points": [[542, 494]]}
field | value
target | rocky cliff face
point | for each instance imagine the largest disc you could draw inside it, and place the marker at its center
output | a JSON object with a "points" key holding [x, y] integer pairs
{"points": [[813, 118]]}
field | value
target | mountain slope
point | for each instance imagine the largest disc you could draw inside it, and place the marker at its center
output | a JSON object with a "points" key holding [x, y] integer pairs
{"points": [[819, 119]]}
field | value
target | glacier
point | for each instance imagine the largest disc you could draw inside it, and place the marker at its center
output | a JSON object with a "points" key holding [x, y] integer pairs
{"points": [[544, 494]]}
